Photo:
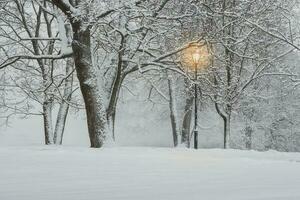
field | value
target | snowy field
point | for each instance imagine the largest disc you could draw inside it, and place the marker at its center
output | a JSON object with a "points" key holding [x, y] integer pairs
{"points": [[124, 173]]}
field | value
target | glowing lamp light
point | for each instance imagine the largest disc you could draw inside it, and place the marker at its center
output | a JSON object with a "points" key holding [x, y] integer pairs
{"points": [[196, 56]]}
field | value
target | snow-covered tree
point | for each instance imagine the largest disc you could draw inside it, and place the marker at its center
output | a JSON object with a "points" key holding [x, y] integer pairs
{"points": [[29, 31]]}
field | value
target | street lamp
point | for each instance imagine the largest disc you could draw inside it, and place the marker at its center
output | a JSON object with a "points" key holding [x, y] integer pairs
{"points": [[196, 58], [196, 55]]}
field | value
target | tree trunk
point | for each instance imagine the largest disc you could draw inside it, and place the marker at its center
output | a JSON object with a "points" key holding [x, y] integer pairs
{"points": [[113, 101], [115, 88], [187, 119], [226, 128], [173, 115], [248, 137], [227, 120], [47, 117], [64, 105], [90, 89]]}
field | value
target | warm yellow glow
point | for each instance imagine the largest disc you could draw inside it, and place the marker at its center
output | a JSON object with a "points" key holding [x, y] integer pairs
{"points": [[196, 57]]}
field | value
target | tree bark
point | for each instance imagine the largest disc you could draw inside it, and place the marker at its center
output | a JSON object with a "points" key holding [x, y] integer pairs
{"points": [[187, 119], [112, 107], [47, 117], [91, 91], [116, 87], [227, 120], [64, 105], [173, 115], [248, 137]]}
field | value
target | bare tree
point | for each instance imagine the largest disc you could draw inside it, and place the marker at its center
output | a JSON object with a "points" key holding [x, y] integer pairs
{"points": [[29, 29], [240, 56]]}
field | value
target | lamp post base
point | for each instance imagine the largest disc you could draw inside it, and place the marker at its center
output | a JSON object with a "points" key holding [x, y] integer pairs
{"points": [[195, 139]]}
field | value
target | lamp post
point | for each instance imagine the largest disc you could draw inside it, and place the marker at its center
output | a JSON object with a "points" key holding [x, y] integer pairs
{"points": [[196, 58]]}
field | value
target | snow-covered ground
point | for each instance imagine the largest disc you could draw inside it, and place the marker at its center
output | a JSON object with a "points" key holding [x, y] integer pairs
{"points": [[133, 173]]}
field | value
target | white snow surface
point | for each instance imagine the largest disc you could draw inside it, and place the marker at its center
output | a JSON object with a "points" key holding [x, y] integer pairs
{"points": [[137, 173]]}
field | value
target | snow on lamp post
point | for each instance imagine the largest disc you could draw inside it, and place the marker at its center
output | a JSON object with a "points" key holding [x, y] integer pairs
{"points": [[196, 58]]}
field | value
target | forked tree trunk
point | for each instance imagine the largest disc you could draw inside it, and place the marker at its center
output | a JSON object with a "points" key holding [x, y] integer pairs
{"points": [[115, 89], [225, 110], [226, 125], [64, 105], [91, 91]]}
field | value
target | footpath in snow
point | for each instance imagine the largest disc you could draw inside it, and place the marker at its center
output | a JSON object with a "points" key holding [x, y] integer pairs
{"points": [[132, 173]]}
